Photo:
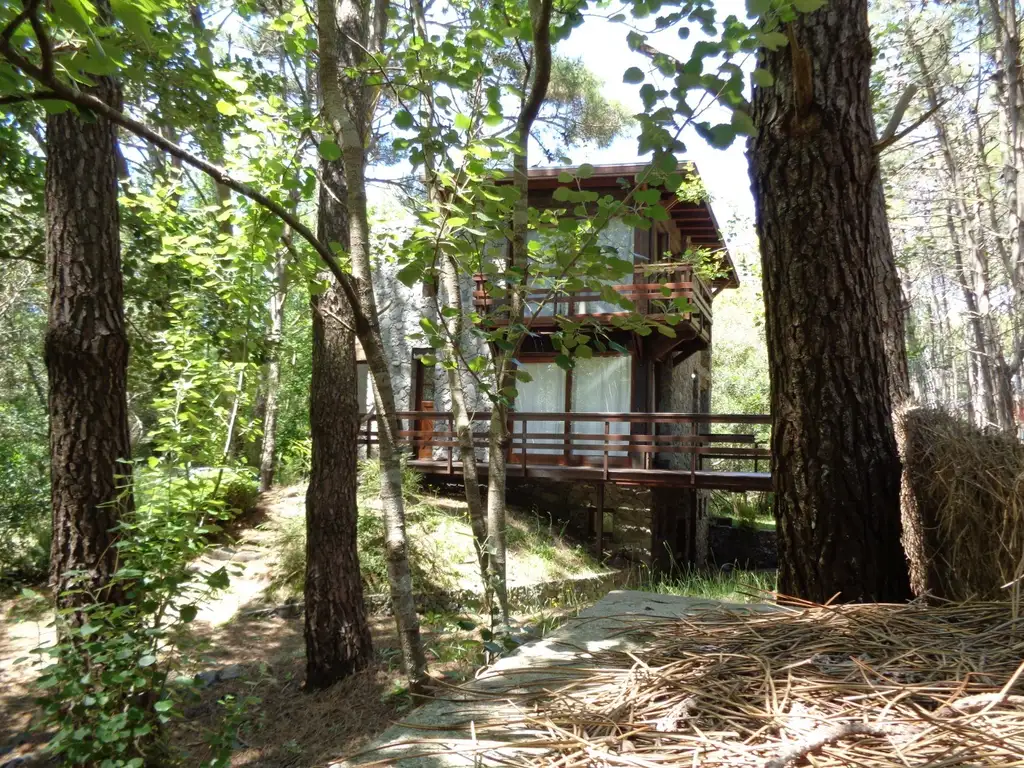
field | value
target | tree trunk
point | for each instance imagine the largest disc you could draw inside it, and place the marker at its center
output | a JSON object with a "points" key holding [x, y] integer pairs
{"points": [[534, 93], [347, 30], [337, 634], [821, 225], [272, 377], [86, 347], [455, 348]]}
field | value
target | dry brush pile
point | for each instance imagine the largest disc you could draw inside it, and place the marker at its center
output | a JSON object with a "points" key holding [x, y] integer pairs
{"points": [[963, 501], [853, 685]]}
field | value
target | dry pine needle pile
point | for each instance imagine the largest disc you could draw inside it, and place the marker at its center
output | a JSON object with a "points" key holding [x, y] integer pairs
{"points": [[852, 685]]}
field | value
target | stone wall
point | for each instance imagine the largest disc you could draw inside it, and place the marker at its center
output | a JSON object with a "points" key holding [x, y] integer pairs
{"points": [[685, 388]]}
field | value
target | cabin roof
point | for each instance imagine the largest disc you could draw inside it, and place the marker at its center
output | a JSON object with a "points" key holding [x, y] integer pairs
{"points": [[695, 220]]}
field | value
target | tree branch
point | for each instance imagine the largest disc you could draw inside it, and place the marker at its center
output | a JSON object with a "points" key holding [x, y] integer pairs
{"points": [[898, 112], [25, 97], [541, 64], [89, 102], [884, 144]]}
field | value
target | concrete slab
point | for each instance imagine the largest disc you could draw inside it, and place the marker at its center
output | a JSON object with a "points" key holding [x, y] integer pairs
{"points": [[441, 734]]}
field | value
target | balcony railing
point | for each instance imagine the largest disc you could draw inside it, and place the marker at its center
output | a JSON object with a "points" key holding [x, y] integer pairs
{"points": [[724, 450], [653, 290]]}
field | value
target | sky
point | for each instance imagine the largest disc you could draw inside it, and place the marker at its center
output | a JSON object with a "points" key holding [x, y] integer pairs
{"points": [[602, 46]]}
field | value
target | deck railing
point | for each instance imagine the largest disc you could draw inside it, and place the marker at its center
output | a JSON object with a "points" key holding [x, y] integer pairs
{"points": [[652, 291], [681, 442]]}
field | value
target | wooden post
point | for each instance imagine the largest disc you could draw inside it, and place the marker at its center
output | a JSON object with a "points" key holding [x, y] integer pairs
{"points": [[451, 439], [523, 438], [607, 434], [599, 522]]}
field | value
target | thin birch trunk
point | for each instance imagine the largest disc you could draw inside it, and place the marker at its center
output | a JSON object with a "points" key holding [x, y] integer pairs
{"points": [[535, 91], [347, 29]]}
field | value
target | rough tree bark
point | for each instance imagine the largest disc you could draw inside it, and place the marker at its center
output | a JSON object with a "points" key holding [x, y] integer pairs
{"points": [[817, 189], [86, 346], [346, 31], [337, 633]]}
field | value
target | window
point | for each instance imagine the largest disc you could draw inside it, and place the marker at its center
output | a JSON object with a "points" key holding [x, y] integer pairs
{"points": [[544, 393], [619, 237], [599, 384], [602, 385]]}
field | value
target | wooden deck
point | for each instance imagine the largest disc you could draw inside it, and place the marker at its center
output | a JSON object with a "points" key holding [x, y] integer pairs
{"points": [[674, 450]]}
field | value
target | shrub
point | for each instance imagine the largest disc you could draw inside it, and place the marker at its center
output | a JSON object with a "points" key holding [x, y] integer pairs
{"points": [[24, 521], [114, 679]]}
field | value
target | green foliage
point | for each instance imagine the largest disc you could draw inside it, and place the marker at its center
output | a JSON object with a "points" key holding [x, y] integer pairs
{"points": [[735, 585], [112, 683], [752, 511]]}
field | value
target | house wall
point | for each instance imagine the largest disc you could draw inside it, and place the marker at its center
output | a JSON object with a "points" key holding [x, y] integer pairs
{"points": [[401, 309], [685, 388]]}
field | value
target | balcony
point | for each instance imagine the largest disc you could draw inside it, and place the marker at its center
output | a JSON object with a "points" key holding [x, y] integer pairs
{"points": [[653, 291], [682, 450]]}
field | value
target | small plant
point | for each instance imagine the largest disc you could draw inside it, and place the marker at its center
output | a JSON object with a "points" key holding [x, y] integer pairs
{"points": [[112, 682], [223, 740], [731, 585]]}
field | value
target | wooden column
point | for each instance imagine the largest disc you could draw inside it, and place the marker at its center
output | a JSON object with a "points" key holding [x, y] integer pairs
{"points": [[673, 529], [598, 524]]}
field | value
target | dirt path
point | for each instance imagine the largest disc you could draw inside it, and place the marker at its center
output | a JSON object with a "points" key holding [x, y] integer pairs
{"points": [[243, 651]]}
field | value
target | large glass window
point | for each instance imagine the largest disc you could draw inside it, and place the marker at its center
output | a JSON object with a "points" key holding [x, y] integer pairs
{"points": [[597, 385], [616, 235], [601, 385], [544, 393]]}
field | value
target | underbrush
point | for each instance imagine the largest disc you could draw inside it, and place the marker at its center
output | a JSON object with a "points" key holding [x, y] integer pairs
{"points": [[441, 551], [24, 515], [731, 585], [749, 510]]}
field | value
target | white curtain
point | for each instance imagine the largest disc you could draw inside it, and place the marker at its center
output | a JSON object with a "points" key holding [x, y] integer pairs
{"points": [[601, 384], [619, 236], [545, 393]]}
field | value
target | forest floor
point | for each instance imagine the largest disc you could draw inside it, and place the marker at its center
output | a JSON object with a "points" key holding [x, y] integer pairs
{"points": [[248, 645]]}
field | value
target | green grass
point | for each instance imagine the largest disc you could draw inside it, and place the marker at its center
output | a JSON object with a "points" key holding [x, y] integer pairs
{"points": [[440, 539], [752, 510], [735, 586]]}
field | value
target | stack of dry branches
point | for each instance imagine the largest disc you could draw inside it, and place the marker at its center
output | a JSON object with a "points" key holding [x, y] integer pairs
{"points": [[851, 685], [963, 506]]}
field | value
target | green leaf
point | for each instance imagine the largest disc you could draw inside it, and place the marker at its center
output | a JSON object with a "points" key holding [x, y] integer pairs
{"points": [[232, 79], [227, 108], [647, 196], [462, 122], [762, 77], [148, 660], [188, 613], [163, 705], [585, 171], [772, 40], [758, 7], [633, 75], [742, 122], [218, 579], [403, 119], [561, 194], [329, 151]]}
